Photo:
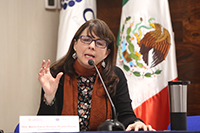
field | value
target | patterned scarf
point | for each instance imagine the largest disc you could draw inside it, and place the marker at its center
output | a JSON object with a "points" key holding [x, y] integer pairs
{"points": [[100, 107]]}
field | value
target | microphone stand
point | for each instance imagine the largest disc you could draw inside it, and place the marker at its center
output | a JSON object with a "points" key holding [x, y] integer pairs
{"points": [[110, 124]]}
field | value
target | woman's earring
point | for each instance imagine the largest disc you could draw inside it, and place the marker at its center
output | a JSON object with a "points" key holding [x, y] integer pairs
{"points": [[74, 56], [103, 64]]}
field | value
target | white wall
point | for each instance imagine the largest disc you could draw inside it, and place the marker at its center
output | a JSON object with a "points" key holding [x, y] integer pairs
{"points": [[28, 34]]}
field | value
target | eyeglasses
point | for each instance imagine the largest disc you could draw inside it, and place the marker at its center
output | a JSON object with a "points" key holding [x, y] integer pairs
{"points": [[88, 40]]}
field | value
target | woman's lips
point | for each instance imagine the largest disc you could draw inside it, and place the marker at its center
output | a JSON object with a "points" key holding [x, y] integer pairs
{"points": [[88, 55]]}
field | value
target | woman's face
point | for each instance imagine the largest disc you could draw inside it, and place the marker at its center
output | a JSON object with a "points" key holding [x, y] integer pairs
{"points": [[86, 52]]}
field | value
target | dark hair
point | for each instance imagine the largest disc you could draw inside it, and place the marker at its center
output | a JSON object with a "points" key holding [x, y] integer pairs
{"points": [[100, 29]]}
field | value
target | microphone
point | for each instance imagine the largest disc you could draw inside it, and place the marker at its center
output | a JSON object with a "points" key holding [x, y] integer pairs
{"points": [[110, 124]]}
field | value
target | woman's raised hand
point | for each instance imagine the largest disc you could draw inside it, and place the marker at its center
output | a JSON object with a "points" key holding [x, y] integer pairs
{"points": [[48, 82]]}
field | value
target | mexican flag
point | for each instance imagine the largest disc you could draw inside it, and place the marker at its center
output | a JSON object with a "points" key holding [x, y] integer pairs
{"points": [[146, 54], [72, 15]]}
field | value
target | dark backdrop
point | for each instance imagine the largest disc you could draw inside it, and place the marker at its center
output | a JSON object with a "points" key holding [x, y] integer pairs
{"points": [[185, 16]]}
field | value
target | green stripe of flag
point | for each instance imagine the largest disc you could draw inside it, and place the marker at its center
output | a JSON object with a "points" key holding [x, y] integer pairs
{"points": [[124, 2]]}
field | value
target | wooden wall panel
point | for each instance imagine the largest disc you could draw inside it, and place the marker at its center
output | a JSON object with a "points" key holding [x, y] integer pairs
{"points": [[185, 16], [110, 12], [191, 31]]}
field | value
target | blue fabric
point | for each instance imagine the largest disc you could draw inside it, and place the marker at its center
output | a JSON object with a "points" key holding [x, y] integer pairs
{"points": [[17, 129], [193, 123]]}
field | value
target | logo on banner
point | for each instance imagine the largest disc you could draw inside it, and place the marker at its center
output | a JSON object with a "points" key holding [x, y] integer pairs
{"points": [[71, 3], [142, 47]]}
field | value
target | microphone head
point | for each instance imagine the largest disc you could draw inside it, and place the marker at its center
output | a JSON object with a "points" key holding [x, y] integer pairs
{"points": [[91, 62], [111, 125]]}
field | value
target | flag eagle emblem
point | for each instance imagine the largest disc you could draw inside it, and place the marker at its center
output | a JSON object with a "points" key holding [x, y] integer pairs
{"points": [[143, 47]]}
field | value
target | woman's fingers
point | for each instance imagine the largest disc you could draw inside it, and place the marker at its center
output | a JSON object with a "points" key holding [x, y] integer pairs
{"points": [[44, 74], [129, 128], [59, 75], [44, 69], [43, 62], [41, 71], [139, 125], [149, 127], [47, 69]]}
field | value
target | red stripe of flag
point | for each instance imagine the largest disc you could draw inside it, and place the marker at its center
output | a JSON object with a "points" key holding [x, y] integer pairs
{"points": [[155, 110]]}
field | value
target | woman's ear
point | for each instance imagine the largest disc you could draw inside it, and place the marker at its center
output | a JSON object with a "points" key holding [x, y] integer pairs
{"points": [[75, 43], [107, 53]]}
